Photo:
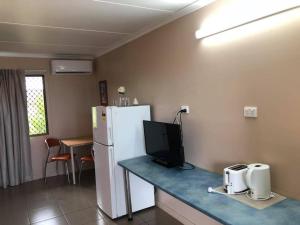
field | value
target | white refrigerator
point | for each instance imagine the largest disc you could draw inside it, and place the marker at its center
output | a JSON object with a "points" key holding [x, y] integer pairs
{"points": [[118, 135]]}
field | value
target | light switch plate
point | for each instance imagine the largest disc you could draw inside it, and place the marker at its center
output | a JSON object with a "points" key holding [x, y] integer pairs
{"points": [[250, 111]]}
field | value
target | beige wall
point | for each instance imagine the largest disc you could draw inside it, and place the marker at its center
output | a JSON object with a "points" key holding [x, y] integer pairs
{"points": [[217, 77], [69, 99]]}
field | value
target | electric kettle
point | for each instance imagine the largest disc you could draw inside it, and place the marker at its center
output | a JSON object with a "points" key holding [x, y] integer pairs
{"points": [[259, 181]]}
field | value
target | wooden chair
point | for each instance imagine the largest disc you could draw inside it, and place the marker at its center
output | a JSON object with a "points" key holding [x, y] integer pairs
{"points": [[84, 160], [51, 144]]}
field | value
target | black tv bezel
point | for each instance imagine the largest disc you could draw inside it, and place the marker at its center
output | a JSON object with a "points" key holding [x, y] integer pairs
{"points": [[178, 159]]}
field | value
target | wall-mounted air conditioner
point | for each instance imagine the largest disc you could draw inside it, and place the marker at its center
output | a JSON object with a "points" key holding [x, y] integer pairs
{"points": [[72, 67]]}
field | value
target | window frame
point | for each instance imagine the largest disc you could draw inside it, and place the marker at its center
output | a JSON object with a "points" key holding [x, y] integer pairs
{"points": [[45, 104]]}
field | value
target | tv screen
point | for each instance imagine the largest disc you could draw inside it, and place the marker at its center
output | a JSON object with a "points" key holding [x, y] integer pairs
{"points": [[163, 142]]}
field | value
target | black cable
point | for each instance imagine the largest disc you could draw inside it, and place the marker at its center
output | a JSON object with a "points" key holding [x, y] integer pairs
{"points": [[181, 131], [176, 116], [180, 111], [187, 166]]}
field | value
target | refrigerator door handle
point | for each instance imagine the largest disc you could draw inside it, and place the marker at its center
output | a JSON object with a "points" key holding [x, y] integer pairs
{"points": [[105, 145], [110, 134]]}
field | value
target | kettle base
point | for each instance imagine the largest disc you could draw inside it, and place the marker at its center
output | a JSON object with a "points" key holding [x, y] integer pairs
{"points": [[236, 192], [255, 198]]}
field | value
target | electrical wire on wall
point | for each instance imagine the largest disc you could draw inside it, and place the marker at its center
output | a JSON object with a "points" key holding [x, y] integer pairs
{"points": [[186, 166]]}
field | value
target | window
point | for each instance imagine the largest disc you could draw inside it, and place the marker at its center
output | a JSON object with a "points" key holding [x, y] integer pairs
{"points": [[36, 105]]}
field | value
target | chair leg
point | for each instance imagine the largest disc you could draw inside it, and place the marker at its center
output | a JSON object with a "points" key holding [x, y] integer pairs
{"points": [[45, 172], [76, 164], [67, 171], [56, 168], [80, 170]]}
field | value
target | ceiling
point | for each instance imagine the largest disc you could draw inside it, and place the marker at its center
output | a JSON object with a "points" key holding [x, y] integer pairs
{"points": [[82, 27]]}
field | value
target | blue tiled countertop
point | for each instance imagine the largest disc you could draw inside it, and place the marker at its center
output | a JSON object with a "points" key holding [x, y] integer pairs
{"points": [[190, 186]]}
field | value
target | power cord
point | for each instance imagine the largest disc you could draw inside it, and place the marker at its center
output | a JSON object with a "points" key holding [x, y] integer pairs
{"points": [[180, 111], [180, 122], [186, 165], [212, 190], [246, 193]]}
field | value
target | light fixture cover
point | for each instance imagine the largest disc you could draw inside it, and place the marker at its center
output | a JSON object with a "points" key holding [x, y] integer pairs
{"points": [[209, 29]]}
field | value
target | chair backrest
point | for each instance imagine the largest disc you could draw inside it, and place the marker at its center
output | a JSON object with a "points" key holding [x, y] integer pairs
{"points": [[52, 142], [93, 152]]}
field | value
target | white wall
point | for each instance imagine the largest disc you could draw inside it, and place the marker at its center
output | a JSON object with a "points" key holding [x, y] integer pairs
{"points": [[256, 65]]}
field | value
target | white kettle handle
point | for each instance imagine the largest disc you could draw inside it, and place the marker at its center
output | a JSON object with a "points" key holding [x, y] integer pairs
{"points": [[249, 177]]}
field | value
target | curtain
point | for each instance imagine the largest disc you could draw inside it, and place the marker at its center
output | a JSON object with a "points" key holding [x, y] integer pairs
{"points": [[15, 152]]}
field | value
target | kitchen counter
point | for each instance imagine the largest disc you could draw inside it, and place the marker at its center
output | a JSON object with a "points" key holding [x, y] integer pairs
{"points": [[190, 186]]}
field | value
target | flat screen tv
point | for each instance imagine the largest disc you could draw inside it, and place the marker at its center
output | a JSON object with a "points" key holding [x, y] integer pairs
{"points": [[163, 142]]}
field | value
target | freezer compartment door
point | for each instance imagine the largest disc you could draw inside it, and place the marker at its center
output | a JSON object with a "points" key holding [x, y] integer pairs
{"points": [[102, 131], [105, 186], [128, 131]]}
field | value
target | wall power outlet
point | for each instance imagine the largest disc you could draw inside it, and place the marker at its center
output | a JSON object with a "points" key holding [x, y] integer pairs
{"points": [[186, 107]]}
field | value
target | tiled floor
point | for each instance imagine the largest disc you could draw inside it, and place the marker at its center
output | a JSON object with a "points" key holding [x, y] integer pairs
{"points": [[58, 203]]}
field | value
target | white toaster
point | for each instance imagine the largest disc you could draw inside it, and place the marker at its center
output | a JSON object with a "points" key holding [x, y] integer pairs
{"points": [[235, 179]]}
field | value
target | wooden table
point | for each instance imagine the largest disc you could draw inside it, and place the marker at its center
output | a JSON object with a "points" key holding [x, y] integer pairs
{"points": [[76, 142]]}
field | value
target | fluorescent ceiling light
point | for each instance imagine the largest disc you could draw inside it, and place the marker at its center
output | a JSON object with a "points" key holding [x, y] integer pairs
{"points": [[275, 26], [200, 3], [203, 3], [212, 28], [130, 5]]}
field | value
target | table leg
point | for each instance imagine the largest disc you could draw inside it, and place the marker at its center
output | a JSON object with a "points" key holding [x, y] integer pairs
{"points": [[128, 194], [73, 165]]}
